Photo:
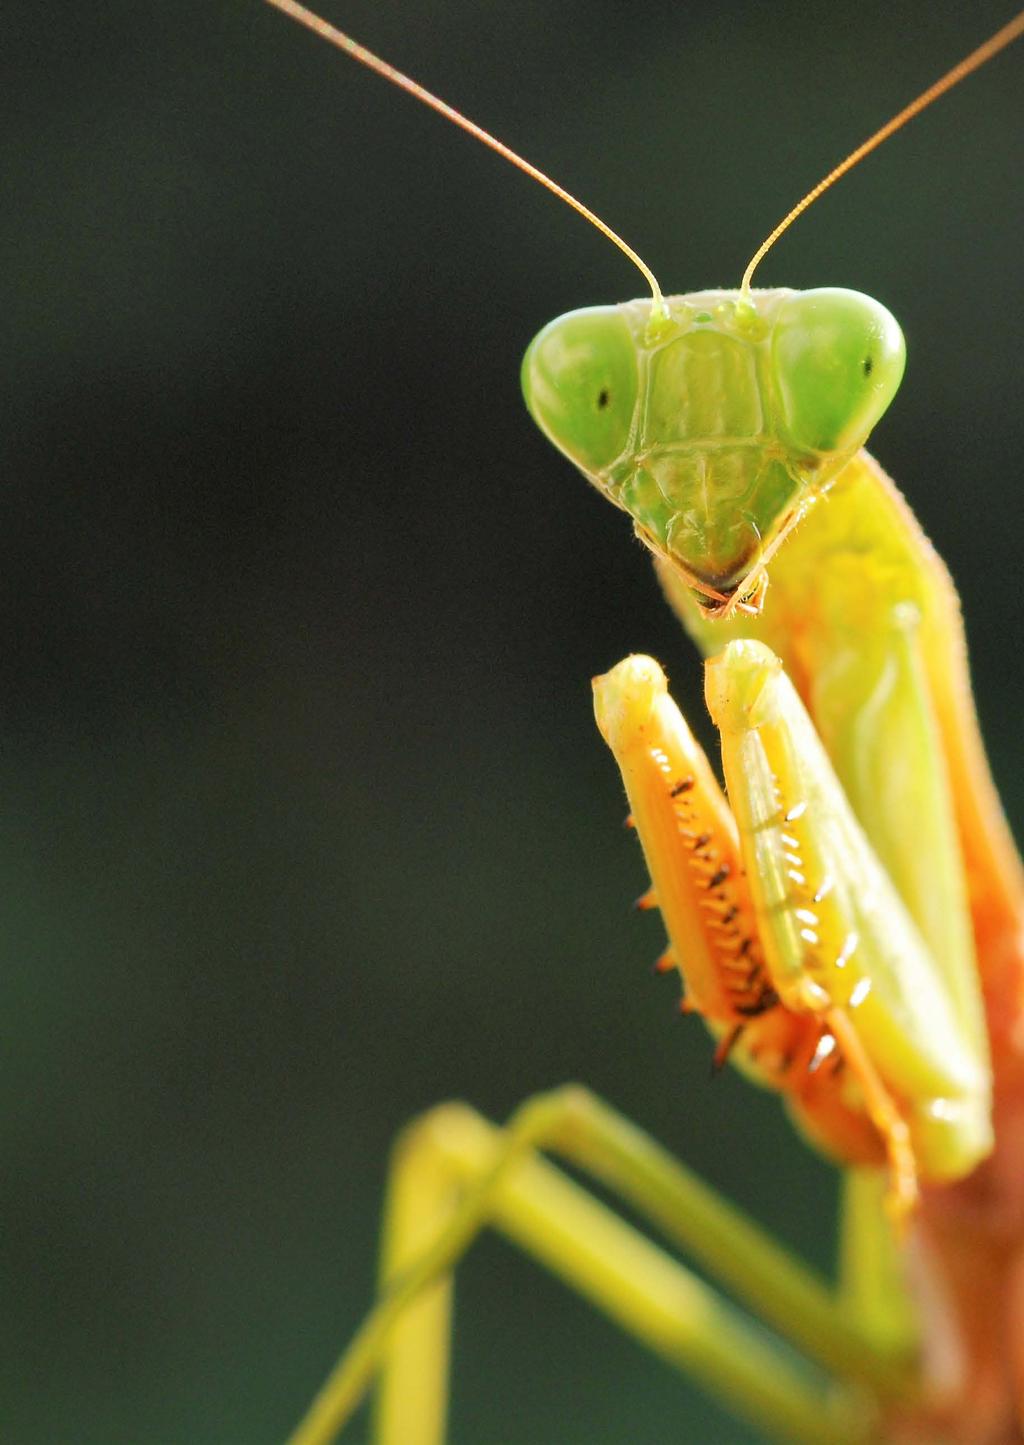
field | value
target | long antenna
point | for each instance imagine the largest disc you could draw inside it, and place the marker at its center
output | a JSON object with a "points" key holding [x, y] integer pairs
{"points": [[404, 82], [977, 58]]}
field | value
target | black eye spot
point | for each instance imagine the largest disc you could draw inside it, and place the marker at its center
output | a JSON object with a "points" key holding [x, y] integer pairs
{"points": [[603, 398], [868, 365]]}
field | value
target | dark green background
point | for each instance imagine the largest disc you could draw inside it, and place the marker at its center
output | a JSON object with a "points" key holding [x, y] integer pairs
{"points": [[304, 822]]}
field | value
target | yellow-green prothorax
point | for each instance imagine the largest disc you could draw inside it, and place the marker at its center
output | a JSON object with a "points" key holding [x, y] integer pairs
{"points": [[715, 428]]}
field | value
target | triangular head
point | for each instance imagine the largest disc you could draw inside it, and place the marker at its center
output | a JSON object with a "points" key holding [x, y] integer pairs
{"points": [[716, 427]]}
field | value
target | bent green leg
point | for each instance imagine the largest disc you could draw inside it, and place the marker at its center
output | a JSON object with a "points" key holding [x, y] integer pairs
{"points": [[503, 1182]]}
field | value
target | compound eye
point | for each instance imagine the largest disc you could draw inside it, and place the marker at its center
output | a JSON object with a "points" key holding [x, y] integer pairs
{"points": [[838, 358], [580, 383]]}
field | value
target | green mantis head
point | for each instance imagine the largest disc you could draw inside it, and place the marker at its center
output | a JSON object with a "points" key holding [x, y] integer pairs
{"points": [[715, 427]]}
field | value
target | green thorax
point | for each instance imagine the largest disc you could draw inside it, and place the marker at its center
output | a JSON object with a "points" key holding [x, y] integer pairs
{"points": [[714, 428]]}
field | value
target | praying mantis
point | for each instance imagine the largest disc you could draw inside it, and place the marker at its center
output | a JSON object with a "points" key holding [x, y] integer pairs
{"points": [[844, 1347]]}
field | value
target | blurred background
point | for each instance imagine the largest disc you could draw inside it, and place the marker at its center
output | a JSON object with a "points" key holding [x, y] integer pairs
{"points": [[304, 821]]}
